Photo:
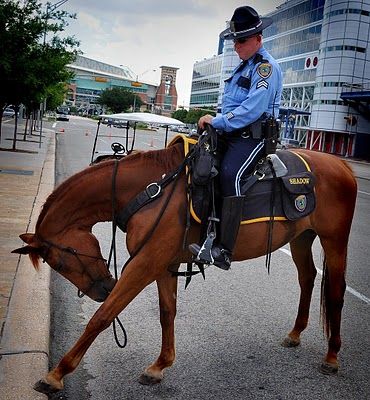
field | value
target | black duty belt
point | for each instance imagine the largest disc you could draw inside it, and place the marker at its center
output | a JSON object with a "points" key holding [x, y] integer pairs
{"points": [[242, 132]]}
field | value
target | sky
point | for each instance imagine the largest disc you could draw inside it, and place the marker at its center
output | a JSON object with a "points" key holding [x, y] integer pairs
{"points": [[145, 34]]}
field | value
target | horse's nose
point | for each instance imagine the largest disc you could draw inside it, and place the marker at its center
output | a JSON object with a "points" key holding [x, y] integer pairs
{"points": [[100, 290], [109, 284]]}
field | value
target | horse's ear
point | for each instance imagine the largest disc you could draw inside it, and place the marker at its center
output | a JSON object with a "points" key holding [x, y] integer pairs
{"points": [[27, 237], [26, 250], [31, 248]]}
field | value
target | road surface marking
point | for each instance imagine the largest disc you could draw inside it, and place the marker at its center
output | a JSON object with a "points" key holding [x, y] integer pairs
{"points": [[348, 288], [54, 125], [360, 191]]}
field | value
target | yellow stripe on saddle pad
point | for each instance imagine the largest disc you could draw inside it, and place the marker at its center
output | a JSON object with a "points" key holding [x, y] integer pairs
{"points": [[186, 140]]}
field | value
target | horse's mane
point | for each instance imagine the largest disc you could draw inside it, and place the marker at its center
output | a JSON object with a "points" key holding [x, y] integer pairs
{"points": [[164, 157], [63, 187]]}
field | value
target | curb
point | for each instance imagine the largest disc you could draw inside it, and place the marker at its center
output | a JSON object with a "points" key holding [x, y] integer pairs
{"points": [[25, 341]]}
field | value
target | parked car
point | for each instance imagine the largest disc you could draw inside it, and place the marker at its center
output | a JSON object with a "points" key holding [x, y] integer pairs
{"points": [[62, 116], [288, 144], [9, 112], [183, 129]]}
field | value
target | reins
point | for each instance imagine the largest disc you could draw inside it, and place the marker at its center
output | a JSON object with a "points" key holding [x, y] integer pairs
{"points": [[122, 217]]}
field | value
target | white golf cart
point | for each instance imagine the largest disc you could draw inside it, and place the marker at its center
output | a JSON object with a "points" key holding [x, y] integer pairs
{"points": [[127, 121]]}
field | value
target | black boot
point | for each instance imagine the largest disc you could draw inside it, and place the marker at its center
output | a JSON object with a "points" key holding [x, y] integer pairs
{"points": [[221, 253]]}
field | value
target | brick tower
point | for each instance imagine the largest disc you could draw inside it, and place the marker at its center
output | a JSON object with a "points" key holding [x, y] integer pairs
{"points": [[166, 96]]}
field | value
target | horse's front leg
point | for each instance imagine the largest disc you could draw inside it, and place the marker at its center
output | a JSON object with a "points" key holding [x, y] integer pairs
{"points": [[167, 290], [134, 279]]}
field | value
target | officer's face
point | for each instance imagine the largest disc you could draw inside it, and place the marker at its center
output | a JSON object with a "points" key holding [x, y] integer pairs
{"points": [[250, 47]]}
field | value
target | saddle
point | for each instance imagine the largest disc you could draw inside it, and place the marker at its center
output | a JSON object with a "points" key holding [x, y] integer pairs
{"points": [[281, 188]]}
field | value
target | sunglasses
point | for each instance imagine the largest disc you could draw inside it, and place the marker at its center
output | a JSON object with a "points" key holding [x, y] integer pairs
{"points": [[244, 39], [240, 40]]}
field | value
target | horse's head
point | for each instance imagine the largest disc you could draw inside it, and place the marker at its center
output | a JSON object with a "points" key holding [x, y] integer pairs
{"points": [[78, 259]]}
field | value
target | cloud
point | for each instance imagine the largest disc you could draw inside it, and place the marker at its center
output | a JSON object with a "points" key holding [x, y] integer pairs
{"points": [[88, 21], [146, 9], [145, 34]]}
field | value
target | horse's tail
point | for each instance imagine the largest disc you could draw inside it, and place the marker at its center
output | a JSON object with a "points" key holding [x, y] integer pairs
{"points": [[324, 302]]}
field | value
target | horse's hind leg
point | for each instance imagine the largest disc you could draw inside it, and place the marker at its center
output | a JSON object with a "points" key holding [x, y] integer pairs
{"points": [[167, 290], [332, 297], [302, 257]]}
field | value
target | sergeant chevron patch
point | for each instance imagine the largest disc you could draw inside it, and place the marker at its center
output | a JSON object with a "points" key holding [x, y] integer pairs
{"points": [[262, 83]]}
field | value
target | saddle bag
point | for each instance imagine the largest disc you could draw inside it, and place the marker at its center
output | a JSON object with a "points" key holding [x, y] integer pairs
{"points": [[297, 193], [203, 167]]}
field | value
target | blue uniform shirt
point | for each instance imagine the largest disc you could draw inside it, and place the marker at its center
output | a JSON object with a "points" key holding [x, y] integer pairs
{"points": [[250, 91]]}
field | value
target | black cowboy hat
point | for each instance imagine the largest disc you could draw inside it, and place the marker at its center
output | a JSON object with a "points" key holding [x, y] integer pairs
{"points": [[244, 23]]}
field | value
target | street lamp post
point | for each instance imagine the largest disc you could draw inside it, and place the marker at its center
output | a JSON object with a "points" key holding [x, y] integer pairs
{"points": [[138, 84]]}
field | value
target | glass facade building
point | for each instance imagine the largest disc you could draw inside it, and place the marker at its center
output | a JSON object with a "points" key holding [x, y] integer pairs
{"points": [[322, 48], [206, 83], [92, 77]]}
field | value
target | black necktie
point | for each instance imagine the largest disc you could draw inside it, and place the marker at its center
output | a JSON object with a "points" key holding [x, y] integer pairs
{"points": [[241, 66]]}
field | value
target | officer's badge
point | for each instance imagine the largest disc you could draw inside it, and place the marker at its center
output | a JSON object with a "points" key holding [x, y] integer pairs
{"points": [[300, 202], [264, 70]]}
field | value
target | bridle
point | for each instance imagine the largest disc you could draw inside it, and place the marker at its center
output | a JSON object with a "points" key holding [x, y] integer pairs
{"points": [[72, 251]]}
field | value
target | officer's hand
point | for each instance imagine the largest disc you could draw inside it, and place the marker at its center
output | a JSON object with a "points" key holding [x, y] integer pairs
{"points": [[206, 119]]}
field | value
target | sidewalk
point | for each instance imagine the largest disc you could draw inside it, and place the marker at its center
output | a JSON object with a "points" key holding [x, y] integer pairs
{"points": [[26, 179]]}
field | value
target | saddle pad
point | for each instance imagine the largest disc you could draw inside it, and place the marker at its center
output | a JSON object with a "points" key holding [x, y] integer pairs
{"points": [[186, 140], [288, 205], [294, 197]]}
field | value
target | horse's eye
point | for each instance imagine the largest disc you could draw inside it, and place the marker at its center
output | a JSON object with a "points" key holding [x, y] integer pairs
{"points": [[58, 266]]}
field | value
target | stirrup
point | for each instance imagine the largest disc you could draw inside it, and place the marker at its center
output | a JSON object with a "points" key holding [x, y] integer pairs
{"points": [[204, 254]]}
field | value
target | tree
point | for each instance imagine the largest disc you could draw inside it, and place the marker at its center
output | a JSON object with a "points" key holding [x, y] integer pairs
{"points": [[180, 114], [194, 114], [29, 65], [119, 99], [55, 95]]}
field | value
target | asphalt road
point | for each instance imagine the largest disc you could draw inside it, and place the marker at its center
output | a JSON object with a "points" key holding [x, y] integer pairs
{"points": [[228, 328]]}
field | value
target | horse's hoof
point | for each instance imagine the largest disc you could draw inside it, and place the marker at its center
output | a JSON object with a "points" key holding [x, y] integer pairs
{"points": [[146, 379], [289, 342], [44, 387], [328, 368]]}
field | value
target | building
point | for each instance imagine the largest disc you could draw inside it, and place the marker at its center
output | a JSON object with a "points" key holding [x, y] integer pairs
{"points": [[337, 125], [322, 48], [166, 96], [91, 77], [205, 86]]}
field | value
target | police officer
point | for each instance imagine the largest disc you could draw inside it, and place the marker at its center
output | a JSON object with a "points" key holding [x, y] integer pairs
{"points": [[251, 93]]}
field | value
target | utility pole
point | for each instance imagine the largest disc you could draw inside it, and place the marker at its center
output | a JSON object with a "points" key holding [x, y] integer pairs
{"points": [[138, 84]]}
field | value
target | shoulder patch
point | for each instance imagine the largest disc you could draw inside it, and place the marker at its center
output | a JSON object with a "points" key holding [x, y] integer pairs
{"points": [[264, 70], [230, 115]]}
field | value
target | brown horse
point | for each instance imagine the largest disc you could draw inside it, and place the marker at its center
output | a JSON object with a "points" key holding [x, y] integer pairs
{"points": [[64, 240]]}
